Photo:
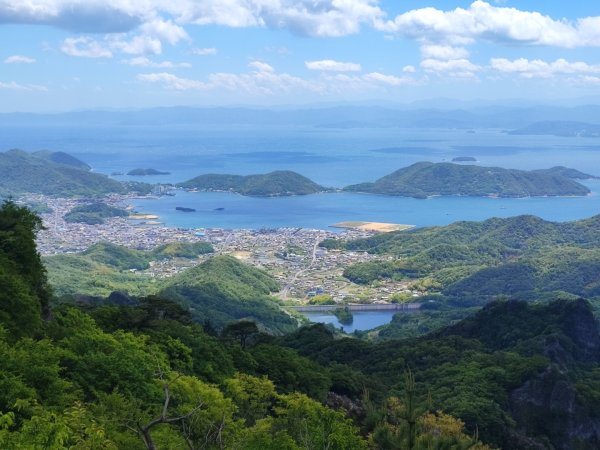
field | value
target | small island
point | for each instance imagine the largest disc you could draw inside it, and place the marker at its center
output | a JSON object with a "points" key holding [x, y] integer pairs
{"points": [[94, 213], [344, 315], [274, 184], [184, 209], [426, 179], [464, 159], [146, 172]]}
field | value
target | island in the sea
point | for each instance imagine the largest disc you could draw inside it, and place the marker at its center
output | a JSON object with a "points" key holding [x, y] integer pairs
{"points": [[184, 209], [464, 159], [146, 172], [274, 184], [426, 179]]}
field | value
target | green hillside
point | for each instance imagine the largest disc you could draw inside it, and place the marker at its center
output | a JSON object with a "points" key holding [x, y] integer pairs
{"points": [[425, 179], [105, 267], [222, 290], [273, 184], [23, 172], [62, 158], [473, 262], [94, 213]]}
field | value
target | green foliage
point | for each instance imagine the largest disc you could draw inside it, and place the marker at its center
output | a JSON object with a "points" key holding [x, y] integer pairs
{"points": [[24, 172], [474, 262], [222, 290], [278, 183], [188, 250], [322, 299], [344, 315], [367, 272], [94, 213], [425, 179]]}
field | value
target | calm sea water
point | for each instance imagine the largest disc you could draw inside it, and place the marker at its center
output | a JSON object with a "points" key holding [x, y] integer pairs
{"points": [[331, 157], [363, 320]]}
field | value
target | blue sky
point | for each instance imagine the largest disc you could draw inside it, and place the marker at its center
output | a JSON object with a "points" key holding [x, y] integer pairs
{"points": [[59, 55]]}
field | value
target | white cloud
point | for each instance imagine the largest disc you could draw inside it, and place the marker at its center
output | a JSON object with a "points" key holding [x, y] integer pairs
{"points": [[138, 45], [261, 66], [323, 18], [457, 68], [208, 51], [19, 59], [142, 61], [84, 47], [492, 23], [165, 30], [329, 65], [541, 69], [306, 17], [22, 87], [443, 52], [386, 79], [265, 81], [171, 81], [409, 69]]}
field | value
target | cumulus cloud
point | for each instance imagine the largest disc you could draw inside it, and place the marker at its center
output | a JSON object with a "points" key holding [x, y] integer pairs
{"points": [[165, 30], [207, 51], [137, 45], [324, 18], [84, 47], [329, 65], [457, 68], [142, 61], [493, 23], [390, 80], [443, 52], [19, 59], [261, 66], [542, 69], [409, 69], [305, 17]]}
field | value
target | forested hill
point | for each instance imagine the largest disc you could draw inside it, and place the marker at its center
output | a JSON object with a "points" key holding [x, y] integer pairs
{"points": [[54, 174], [472, 262], [273, 184], [426, 179]]}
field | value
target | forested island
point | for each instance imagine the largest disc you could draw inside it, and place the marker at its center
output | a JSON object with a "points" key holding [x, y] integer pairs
{"points": [[425, 179], [56, 174], [273, 184], [94, 213]]}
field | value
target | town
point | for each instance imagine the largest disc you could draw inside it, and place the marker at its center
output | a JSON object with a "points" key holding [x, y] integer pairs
{"points": [[292, 255]]}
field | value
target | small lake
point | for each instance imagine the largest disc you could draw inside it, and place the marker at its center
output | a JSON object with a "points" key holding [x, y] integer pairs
{"points": [[363, 320]]}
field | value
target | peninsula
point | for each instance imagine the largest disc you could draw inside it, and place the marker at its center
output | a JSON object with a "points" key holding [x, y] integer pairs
{"points": [[426, 179], [274, 184]]}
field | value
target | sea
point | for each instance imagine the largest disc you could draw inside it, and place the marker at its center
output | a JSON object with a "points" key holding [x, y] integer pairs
{"points": [[329, 156]]}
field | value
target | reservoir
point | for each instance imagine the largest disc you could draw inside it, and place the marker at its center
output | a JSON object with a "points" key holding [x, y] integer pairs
{"points": [[363, 320]]}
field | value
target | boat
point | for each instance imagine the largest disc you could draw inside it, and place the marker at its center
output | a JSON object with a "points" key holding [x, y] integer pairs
{"points": [[184, 209]]}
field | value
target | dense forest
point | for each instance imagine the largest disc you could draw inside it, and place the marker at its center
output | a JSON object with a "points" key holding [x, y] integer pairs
{"points": [[151, 372], [273, 184], [425, 179]]}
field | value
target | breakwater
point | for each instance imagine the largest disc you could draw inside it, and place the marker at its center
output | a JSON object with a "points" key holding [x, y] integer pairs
{"points": [[360, 307]]}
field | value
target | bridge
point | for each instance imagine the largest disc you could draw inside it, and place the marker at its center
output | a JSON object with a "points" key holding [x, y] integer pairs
{"points": [[359, 307]]}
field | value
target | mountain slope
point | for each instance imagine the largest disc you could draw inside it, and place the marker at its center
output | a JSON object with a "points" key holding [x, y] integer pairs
{"points": [[273, 184], [425, 179]]}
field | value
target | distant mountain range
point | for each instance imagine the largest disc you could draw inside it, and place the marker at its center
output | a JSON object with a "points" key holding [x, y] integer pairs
{"points": [[350, 116], [563, 128], [425, 179]]}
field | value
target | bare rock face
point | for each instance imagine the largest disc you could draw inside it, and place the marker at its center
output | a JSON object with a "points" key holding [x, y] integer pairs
{"points": [[547, 408]]}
